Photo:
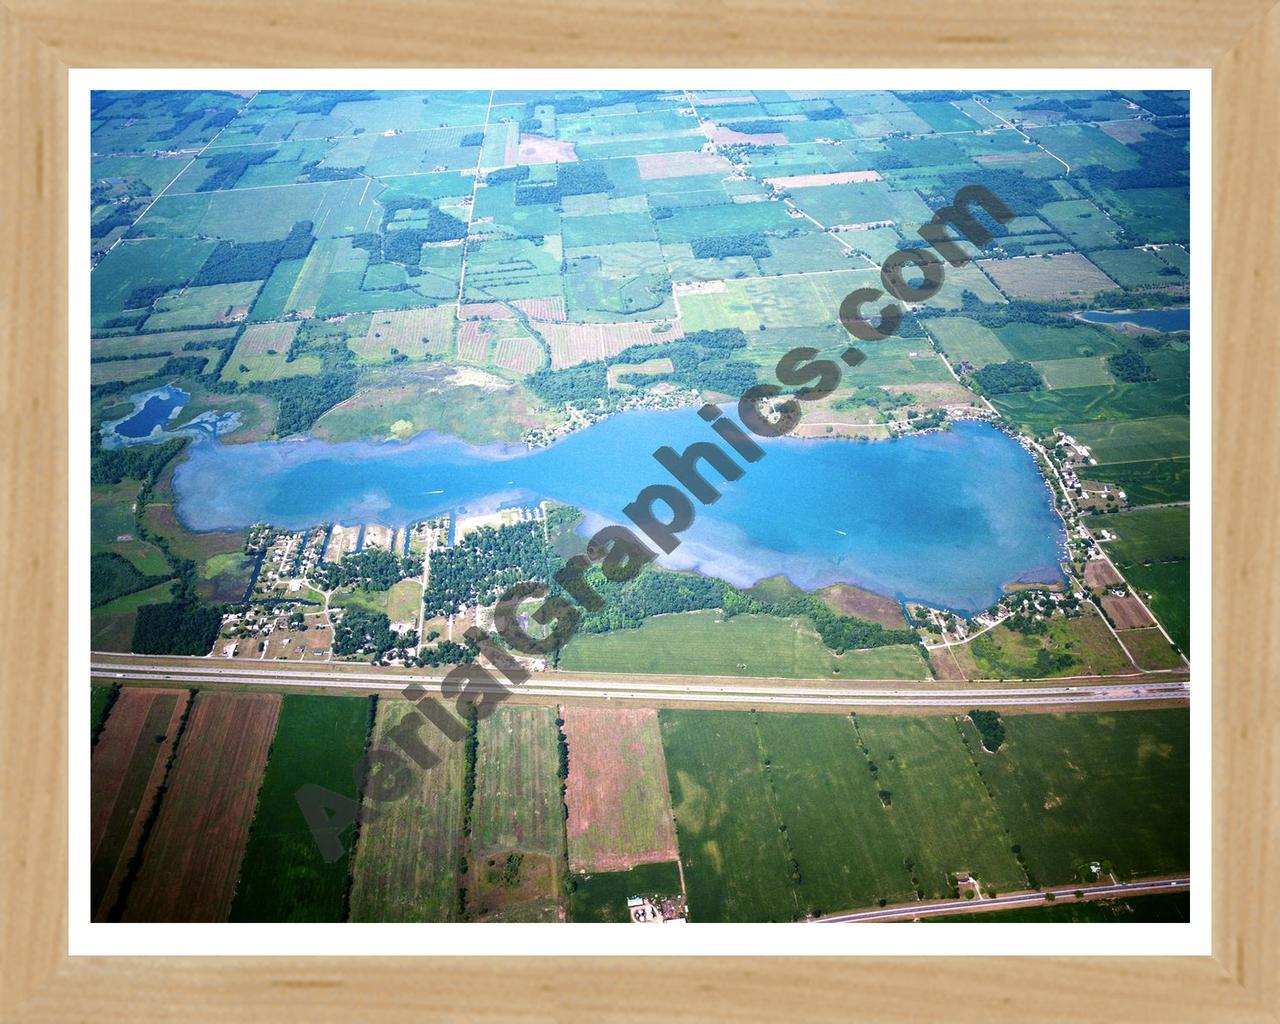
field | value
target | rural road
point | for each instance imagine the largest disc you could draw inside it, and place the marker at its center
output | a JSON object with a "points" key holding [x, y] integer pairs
{"points": [[200, 671], [1021, 899]]}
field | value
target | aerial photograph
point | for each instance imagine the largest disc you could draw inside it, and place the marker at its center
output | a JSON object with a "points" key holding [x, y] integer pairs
{"points": [[647, 507]]}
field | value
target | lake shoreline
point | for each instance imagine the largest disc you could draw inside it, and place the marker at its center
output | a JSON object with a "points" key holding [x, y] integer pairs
{"points": [[944, 518]]}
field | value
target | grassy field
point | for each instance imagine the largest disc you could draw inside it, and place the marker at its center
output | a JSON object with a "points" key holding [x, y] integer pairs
{"points": [[601, 896], [195, 847], [1152, 548], [1088, 371], [1083, 646], [782, 816], [1082, 222], [262, 354], [1140, 440], [515, 871], [207, 305], [705, 643], [1145, 483], [1148, 535], [406, 866], [284, 877], [405, 404], [963, 339], [1150, 649], [1119, 423], [1048, 278], [735, 858], [517, 799], [1074, 789], [1168, 588], [399, 603], [616, 793], [850, 847], [948, 822]]}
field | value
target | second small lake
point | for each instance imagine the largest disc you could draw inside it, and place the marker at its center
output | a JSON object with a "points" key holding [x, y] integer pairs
{"points": [[1174, 319]]}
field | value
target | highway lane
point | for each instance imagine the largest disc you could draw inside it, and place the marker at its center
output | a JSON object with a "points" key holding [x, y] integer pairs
{"points": [[211, 671], [1021, 899], [389, 678], [1178, 675]]}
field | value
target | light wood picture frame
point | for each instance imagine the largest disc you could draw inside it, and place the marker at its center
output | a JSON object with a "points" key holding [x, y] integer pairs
{"points": [[43, 39]]}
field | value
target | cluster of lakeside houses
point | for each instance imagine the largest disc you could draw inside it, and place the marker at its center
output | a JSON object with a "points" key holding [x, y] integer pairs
{"points": [[285, 612]]}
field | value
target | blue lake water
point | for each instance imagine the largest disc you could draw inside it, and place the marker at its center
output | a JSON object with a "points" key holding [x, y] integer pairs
{"points": [[946, 518], [1156, 319], [155, 412]]}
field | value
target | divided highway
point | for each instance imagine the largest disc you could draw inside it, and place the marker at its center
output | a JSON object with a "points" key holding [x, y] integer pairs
{"points": [[1021, 899], [809, 693]]}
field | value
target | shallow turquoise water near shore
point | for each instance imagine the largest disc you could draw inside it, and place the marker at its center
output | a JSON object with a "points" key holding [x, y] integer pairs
{"points": [[946, 518]]}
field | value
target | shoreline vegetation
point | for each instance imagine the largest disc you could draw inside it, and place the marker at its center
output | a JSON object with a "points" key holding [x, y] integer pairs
{"points": [[767, 584]]}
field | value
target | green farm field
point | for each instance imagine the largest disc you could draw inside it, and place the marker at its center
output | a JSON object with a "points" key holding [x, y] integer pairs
{"points": [[406, 864], [1150, 482], [284, 877], [783, 816], [706, 643], [517, 798], [1083, 788], [735, 858], [1152, 549]]}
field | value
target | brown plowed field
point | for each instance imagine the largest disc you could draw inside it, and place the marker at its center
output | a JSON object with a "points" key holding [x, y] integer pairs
{"points": [[1098, 573], [129, 763], [619, 807], [192, 857], [1127, 612]]}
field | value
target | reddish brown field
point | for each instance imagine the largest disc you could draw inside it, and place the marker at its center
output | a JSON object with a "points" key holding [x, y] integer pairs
{"points": [[474, 337], [128, 768], [1127, 612], [543, 309], [523, 355], [619, 807], [192, 857], [582, 343], [492, 310], [849, 600], [1098, 573]]}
